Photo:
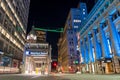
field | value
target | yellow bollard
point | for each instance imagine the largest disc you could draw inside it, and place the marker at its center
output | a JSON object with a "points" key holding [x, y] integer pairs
{"points": [[36, 70]]}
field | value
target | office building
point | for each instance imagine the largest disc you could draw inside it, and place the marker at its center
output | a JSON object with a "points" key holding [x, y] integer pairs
{"points": [[13, 25], [67, 44]]}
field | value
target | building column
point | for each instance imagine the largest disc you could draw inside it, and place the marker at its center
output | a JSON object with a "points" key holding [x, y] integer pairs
{"points": [[82, 52], [93, 67], [90, 48], [96, 46], [106, 50], [91, 52], [104, 43], [97, 50], [114, 36], [116, 43], [82, 60], [86, 53], [87, 67]]}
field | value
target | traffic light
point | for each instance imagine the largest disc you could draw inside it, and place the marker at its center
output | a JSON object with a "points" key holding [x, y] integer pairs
{"points": [[54, 64], [76, 62]]}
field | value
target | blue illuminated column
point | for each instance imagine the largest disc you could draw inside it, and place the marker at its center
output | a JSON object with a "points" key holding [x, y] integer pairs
{"points": [[90, 49], [82, 52], [115, 36], [104, 43], [86, 51], [91, 52], [97, 46]]}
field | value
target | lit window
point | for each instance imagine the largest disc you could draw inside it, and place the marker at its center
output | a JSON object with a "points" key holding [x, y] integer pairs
{"points": [[74, 20], [83, 9], [11, 39], [3, 6], [83, 12], [77, 20], [3, 31], [7, 35], [75, 26], [14, 41]]}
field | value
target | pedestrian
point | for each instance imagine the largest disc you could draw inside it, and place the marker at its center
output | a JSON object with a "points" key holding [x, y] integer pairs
{"points": [[43, 69], [104, 69]]}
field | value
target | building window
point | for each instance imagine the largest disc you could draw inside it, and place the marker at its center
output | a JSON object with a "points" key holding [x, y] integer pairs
{"points": [[106, 5], [119, 34], [109, 45], [75, 26], [1, 45], [76, 20], [6, 24], [72, 39], [118, 13], [115, 16], [98, 14], [95, 18], [104, 24], [1, 17], [9, 29], [102, 10], [100, 48], [111, 1], [13, 31], [83, 12], [83, 9], [91, 35], [70, 43], [6, 61]]}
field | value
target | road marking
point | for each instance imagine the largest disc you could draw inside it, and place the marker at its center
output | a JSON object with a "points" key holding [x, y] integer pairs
{"points": [[35, 76]]}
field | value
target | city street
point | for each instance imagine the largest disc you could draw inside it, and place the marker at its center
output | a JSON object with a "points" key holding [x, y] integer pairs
{"points": [[59, 77]]}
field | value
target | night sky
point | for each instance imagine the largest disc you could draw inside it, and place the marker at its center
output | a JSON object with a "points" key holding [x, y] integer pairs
{"points": [[52, 14]]}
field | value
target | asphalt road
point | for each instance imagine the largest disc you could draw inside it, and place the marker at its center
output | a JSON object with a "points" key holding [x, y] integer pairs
{"points": [[59, 77]]}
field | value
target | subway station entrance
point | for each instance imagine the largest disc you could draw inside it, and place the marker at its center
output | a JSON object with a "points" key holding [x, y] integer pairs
{"points": [[37, 58]]}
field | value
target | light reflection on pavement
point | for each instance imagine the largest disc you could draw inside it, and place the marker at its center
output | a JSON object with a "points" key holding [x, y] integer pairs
{"points": [[59, 77]]}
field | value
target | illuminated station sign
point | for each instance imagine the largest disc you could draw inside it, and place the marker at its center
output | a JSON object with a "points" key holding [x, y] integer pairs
{"points": [[36, 53]]}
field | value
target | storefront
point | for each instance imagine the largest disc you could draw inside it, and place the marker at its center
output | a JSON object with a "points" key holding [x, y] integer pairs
{"points": [[9, 65]]}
